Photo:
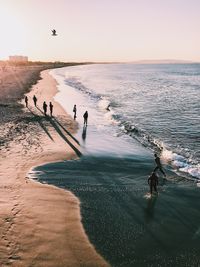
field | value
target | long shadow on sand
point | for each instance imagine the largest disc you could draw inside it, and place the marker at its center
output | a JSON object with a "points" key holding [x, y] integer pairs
{"points": [[64, 129], [39, 120], [58, 130]]}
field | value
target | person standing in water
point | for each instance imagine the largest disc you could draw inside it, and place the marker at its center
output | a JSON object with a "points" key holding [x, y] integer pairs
{"points": [[26, 100], [35, 100], [85, 116], [51, 108], [159, 165], [108, 107], [45, 108], [153, 182], [74, 110]]}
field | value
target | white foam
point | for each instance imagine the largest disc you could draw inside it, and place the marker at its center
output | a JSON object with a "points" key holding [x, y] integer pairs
{"points": [[181, 163], [192, 170], [109, 118], [147, 196], [122, 127]]}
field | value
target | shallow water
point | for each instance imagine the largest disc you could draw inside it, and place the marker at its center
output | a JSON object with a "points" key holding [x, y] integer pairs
{"points": [[126, 225], [158, 105]]}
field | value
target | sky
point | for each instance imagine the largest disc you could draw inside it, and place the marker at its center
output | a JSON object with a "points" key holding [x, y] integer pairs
{"points": [[100, 30]]}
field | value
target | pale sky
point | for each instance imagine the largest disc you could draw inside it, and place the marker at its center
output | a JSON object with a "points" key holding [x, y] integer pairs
{"points": [[100, 30]]}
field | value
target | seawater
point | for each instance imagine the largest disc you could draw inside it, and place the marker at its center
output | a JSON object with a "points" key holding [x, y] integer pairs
{"points": [[153, 108], [157, 105]]}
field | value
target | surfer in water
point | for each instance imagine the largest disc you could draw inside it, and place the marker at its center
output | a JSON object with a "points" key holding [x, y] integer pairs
{"points": [[108, 107]]}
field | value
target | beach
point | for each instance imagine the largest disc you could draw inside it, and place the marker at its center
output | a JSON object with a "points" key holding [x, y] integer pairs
{"points": [[78, 196], [99, 133], [127, 225], [40, 225]]}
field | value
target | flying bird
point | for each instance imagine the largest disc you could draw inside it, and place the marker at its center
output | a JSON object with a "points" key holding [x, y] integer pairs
{"points": [[54, 33]]}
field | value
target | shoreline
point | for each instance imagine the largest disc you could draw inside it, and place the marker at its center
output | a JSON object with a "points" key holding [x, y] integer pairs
{"points": [[135, 229], [41, 224]]}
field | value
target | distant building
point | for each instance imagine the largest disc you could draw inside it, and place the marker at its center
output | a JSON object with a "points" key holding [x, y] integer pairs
{"points": [[18, 58]]}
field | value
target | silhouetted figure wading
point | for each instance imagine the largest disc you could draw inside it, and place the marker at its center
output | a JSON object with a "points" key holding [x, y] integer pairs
{"points": [[85, 116], [108, 107], [159, 165], [35, 100], [45, 108], [26, 101], [51, 108], [153, 182]]}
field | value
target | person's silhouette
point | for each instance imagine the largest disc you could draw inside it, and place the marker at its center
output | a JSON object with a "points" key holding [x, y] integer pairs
{"points": [[85, 116], [159, 165], [26, 101], [108, 107], [74, 110], [54, 33], [35, 100], [45, 108], [153, 182], [51, 108]]}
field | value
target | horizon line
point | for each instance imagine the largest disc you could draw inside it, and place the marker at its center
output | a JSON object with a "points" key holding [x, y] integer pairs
{"points": [[142, 61]]}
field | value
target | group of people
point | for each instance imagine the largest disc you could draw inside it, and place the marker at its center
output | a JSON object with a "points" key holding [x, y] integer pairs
{"points": [[44, 105], [153, 178], [50, 108]]}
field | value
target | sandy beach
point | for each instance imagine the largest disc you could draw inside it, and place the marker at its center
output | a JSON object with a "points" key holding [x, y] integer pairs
{"points": [[40, 225]]}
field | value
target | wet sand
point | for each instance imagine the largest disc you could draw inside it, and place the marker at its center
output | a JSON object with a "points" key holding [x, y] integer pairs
{"points": [[40, 225]]}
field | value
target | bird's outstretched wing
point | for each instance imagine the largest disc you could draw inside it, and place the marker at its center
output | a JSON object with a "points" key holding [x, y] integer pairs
{"points": [[53, 32]]}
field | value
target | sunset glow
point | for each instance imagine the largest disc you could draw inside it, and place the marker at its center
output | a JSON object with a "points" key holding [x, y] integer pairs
{"points": [[100, 30]]}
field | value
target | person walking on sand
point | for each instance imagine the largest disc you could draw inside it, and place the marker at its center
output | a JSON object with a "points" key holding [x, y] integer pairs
{"points": [[35, 100], [74, 110], [51, 108], [26, 100], [85, 116], [159, 165], [153, 182], [45, 108]]}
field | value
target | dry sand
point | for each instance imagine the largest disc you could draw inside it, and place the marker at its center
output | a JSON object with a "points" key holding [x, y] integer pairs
{"points": [[40, 225]]}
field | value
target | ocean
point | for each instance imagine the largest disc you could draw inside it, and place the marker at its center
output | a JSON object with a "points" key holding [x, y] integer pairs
{"points": [[134, 111], [158, 105]]}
